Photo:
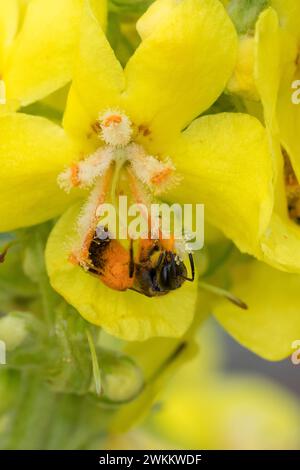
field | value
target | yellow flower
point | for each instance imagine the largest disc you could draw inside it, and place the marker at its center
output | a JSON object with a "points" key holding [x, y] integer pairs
{"points": [[272, 323], [269, 79], [37, 44], [204, 408], [148, 111], [233, 413]]}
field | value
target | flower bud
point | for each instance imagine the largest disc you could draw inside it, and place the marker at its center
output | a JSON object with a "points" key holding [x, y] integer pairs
{"points": [[121, 379]]}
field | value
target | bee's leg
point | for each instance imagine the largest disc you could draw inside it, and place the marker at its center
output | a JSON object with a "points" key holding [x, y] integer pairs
{"points": [[191, 279], [173, 264], [131, 260], [160, 260]]}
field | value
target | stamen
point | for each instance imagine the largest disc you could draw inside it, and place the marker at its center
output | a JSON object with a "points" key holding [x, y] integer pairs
{"points": [[75, 175], [158, 175], [114, 118], [116, 128], [88, 218], [85, 172]]}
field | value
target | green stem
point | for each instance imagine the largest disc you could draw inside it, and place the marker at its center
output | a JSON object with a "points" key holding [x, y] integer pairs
{"points": [[47, 300], [95, 363]]}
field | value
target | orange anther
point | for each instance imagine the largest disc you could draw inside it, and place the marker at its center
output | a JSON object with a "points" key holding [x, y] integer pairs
{"points": [[158, 178], [74, 175], [113, 119]]}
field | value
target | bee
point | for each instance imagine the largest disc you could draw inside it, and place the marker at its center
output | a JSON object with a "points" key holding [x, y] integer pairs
{"points": [[157, 275], [156, 271]]}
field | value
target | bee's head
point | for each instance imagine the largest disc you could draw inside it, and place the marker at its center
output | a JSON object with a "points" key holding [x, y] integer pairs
{"points": [[171, 272]]}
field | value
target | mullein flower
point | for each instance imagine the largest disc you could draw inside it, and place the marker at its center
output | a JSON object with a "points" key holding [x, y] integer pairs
{"points": [[266, 82], [37, 44], [141, 122]]}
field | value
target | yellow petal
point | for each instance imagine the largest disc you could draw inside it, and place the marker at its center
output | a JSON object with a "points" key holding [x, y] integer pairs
{"points": [[226, 165], [32, 152], [180, 69], [99, 8], [281, 244], [288, 115], [78, 121], [267, 66], [242, 81], [272, 323], [289, 14], [257, 72], [8, 27], [153, 18], [9, 107], [42, 57], [128, 315], [98, 76], [281, 241]]}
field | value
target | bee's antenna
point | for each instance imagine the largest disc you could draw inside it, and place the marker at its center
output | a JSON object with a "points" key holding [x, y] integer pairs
{"points": [[190, 279], [192, 266]]}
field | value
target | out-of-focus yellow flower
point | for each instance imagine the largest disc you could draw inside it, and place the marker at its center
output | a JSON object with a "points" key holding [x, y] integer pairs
{"points": [[166, 84], [230, 413], [205, 409], [202, 408]]}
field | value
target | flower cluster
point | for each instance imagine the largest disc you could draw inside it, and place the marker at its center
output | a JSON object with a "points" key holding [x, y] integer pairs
{"points": [[184, 102]]}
